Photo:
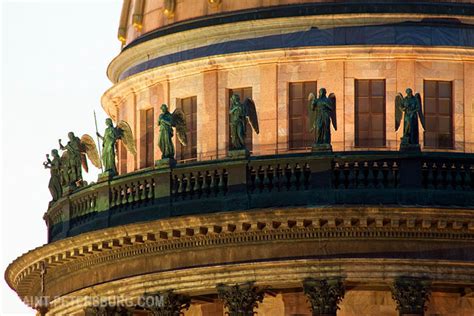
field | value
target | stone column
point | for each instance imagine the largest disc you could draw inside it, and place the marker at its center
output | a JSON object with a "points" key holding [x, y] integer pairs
{"points": [[166, 304], [240, 299], [324, 295], [411, 295]]}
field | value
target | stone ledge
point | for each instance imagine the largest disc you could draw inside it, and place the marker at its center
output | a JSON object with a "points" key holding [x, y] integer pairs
{"points": [[241, 228]]}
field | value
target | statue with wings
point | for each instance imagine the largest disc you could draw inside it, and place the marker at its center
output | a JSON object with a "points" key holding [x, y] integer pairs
{"points": [[166, 122], [410, 108], [111, 135], [74, 159], [322, 111], [239, 114]]}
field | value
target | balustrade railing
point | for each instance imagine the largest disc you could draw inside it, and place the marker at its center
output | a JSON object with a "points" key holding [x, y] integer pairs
{"points": [[277, 176], [130, 190], [366, 174], [338, 175], [443, 174], [198, 182]]}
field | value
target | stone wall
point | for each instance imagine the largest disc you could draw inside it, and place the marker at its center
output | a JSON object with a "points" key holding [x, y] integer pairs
{"points": [[269, 75]]}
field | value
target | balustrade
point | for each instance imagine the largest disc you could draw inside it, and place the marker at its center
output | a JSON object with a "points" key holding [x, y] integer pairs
{"points": [[196, 184], [234, 184]]}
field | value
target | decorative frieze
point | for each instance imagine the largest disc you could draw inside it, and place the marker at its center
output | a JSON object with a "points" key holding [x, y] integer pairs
{"points": [[411, 295], [324, 295], [240, 299]]}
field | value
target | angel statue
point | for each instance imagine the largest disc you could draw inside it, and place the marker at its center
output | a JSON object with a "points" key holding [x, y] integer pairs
{"points": [[411, 106], [322, 111], [74, 158], [113, 133], [54, 185], [166, 122], [239, 114]]}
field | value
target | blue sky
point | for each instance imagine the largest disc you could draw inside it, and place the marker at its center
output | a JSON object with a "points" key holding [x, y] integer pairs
{"points": [[53, 72]]}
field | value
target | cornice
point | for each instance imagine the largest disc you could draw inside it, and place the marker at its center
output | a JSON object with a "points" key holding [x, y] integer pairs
{"points": [[265, 227], [117, 93], [204, 36]]}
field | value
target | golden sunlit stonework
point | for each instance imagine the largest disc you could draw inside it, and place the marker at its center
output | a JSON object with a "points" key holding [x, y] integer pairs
{"points": [[363, 229]]}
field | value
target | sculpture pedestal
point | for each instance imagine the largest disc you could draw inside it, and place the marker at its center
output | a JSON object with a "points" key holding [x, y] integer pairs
{"points": [[321, 147], [238, 154], [410, 147], [105, 176], [165, 163]]}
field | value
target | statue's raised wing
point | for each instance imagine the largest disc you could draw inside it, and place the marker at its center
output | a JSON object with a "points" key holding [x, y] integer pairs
{"points": [[312, 114], [90, 149], [398, 110], [332, 98], [178, 120], [127, 137], [420, 109], [251, 114]]}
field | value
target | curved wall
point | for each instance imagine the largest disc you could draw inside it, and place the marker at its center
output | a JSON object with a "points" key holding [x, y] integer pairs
{"points": [[269, 74], [268, 50], [154, 16]]}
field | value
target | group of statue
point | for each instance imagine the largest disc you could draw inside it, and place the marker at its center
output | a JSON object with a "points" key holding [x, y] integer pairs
{"points": [[66, 169], [323, 111]]}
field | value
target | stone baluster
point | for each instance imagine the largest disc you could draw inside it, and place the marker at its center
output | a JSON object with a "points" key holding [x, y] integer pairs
{"points": [[240, 299], [324, 295], [411, 295], [215, 182], [192, 185], [166, 303]]}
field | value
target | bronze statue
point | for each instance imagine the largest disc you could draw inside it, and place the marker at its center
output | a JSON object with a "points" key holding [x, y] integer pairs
{"points": [[74, 158], [166, 122], [411, 107], [54, 185], [239, 114], [322, 111], [123, 132]]}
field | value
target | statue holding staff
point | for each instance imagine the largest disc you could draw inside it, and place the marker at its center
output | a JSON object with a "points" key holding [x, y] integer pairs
{"points": [[54, 185], [322, 112], [411, 109], [166, 122], [111, 135]]}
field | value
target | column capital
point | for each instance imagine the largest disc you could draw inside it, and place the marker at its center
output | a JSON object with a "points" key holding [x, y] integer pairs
{"points": [[240, 299], [108, 310], [324, 295], [411, 295], [166, 303]]}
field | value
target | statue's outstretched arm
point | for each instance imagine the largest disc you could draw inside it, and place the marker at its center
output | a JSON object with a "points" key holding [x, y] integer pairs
{"points": [[47, 163]]}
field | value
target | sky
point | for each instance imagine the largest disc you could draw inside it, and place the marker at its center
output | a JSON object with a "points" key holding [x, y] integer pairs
{"points": [[54, 56]]}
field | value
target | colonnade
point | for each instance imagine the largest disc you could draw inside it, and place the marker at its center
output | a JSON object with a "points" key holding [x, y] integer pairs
{"points": [[324, 296]]}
